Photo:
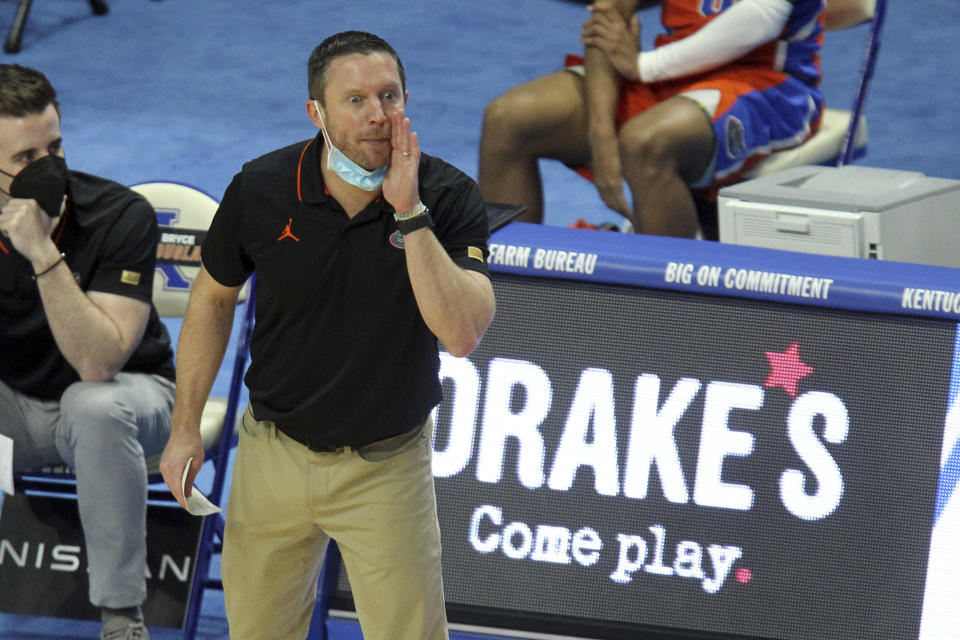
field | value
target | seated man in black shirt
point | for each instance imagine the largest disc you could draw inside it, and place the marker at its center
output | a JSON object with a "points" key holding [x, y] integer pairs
{"points": [[86, 376]]}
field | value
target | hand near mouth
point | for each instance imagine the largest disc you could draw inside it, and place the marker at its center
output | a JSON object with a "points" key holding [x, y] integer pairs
{"points": [[401, 186]]}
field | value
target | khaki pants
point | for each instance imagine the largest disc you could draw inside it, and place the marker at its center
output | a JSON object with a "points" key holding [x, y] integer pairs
{"points": [[286, 502]]}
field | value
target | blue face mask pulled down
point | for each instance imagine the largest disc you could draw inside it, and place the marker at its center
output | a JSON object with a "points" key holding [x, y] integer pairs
{"points": [[348, 170]]}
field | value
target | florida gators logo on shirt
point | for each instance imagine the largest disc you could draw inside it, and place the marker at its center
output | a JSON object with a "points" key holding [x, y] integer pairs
{"points": [[396, 239], [736, 138]]}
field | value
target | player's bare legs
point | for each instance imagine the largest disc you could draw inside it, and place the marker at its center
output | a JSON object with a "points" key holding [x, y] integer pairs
{"points": [[543, 118], [663, 150]]}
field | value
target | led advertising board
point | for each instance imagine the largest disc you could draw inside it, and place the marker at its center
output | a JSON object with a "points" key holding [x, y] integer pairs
{"points": [[615, 460]]}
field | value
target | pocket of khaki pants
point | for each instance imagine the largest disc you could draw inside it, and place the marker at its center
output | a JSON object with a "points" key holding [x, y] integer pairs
{"points": [[386, 449], [250, 426]]}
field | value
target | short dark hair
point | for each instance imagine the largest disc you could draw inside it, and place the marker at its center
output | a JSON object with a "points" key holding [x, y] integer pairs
{"points": [[25, 91], [342, 44]]}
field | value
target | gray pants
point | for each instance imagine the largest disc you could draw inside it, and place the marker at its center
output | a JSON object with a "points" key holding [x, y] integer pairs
{"points": [[104, 431]]}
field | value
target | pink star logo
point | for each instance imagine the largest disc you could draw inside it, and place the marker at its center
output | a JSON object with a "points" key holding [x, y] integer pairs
{"points": [[786, 369]]}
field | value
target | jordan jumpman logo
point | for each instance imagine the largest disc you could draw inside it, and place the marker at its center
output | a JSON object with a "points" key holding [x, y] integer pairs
{"points": [[287, 233]]}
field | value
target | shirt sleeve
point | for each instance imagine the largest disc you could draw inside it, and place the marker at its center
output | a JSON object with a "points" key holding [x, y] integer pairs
{"points": [[129, 254], [223, 254], [731, 35], [460, 221]]}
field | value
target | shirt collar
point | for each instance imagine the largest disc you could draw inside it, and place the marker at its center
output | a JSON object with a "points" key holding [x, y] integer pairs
{"points": [[310, 187]]}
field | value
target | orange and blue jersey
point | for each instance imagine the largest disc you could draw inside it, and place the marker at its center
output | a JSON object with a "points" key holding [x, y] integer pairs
{"points": [[767, 100], [796, 52]]}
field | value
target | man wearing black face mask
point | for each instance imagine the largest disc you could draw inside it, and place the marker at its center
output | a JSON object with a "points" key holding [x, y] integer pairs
{"points": [[86, 372]]}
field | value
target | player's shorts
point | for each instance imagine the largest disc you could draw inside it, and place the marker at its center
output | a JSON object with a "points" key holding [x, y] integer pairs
{"points": [[754, 112]]}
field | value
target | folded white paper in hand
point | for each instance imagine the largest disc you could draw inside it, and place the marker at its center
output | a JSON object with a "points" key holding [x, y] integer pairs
{"points": [[197, 503], [6, 465]]}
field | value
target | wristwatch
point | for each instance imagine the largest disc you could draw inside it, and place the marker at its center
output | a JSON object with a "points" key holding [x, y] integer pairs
{"points": [[416, 218]]}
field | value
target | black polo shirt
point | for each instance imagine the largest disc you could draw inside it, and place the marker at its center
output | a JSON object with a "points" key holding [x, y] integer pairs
{"points": [[109, 235], [340, 354]]}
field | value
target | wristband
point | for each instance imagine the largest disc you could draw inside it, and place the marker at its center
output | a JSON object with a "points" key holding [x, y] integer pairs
{"points": [[62, 257], [407, 226]]}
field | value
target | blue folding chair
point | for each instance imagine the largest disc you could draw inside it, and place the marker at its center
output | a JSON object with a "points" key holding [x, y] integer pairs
{"points": [[184, 214], [15, 35], [842, 136]]}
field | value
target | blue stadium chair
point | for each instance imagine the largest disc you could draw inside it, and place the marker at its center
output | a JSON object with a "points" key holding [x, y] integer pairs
{"points": [[842, 136], [15, 36], [185, 211], [184, 214]]}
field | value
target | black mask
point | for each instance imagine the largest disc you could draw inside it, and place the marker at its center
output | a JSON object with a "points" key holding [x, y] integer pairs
{"points": [[43, 180]]}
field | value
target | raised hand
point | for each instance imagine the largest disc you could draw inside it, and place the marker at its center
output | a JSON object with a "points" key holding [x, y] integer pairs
{"points": [[28, 227], [401, 185]]}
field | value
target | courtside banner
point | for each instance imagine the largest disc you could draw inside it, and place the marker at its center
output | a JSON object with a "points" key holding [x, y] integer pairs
{"points": [[43, 561], [729, 270]]}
